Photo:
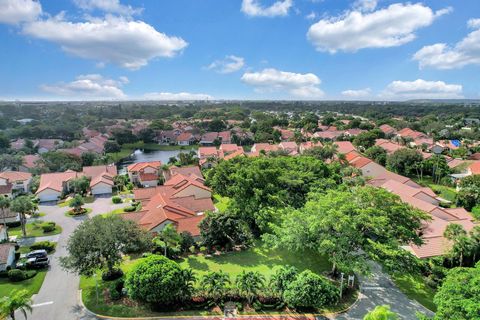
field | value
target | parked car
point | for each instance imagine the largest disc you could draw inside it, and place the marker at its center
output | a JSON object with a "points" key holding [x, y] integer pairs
{"points": [[37, 254], [38, 262]]}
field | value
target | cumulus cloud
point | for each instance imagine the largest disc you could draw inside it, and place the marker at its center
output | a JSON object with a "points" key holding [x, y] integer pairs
{"points": [[176, 96], [443, 56], [89, 87], [111, 6], [254, 9], [17, 11], [365, 5], [357, 94], [130, 44], [229, 64], [422, 89], [392, 26], [311, 16], [300, 85]]}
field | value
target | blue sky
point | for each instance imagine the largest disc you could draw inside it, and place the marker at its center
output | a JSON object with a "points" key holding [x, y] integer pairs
{"points": [[239, 49]]}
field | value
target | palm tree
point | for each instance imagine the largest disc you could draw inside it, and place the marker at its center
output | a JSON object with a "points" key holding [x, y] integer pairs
{"points": [[381, 313], [457, 234], [215, 283], [4, 204], [18, 300], [475, 238], [76, 204], [250, 283], [189, 279], [168, 237], [22, 205]]}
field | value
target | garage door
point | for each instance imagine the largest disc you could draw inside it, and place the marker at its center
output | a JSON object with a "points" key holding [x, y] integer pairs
{"points": [[46, 197], [101, 190]]}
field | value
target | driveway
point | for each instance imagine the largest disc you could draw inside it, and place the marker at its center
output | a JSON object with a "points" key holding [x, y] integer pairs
{"points": [[58, 297], [378, 289]]}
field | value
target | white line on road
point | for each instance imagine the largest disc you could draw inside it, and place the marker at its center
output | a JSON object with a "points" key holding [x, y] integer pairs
{"points": [[42, 304]]}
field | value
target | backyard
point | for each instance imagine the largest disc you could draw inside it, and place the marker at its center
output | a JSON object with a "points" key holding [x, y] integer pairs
{"points": [[258, 258], [445, 192]]}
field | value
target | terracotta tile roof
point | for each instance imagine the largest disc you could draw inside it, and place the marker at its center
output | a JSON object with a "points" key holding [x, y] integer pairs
{"points": [[229, 147], [309, 144], [101, 174], [237, 153], [475, 167], [332, 135], [407, 132], [209, 136], [139, 166], [388, 175], [224, 135], [455, 162], [288, 146], [185, 136], [30, 160], [387, 129], [257, 147], [389, 146], [205, 152], [190, 225], [354, 132], [12, 176], [186, 171], [360, 162], [55, 181], [5, 249], [344, 146]]}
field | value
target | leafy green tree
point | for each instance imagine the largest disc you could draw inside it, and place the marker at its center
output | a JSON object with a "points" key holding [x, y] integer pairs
{"points": [[4, 206], [328, 151], [4, 142], [168, 239], [224, 229], [377, 154], [23, 205], [157, 280], [405, 162], [80, 185], [381, 313], [215, 284], [309, 290], [124, 136], [282, 277], [76, 203], [10, 162], [100, 242], [146, 135], [56, 161], [365, 140], [186, 241], [250, 284], [112, 147], [469, 194], [17, 300], [458, 297], [343, 224], [461, 243], [88, 158]]}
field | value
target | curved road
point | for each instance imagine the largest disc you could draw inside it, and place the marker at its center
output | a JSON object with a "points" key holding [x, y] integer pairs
{"points": [[58, 298]]}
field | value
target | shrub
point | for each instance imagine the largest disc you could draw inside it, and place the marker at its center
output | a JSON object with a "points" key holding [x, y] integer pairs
{"points": [[116, 200], [130, 209], [111, 275], [157, 280], [309, 290], [48, 226], [16, 275], [45, 245], [116, 289]]}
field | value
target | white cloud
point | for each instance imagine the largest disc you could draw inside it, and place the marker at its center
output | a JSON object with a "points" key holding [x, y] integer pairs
{"points": [[443, 56], [254, 9], [365, 5], [357, 94], [89, 87], [111, 6], [312, 15], [229, 64], [17, 11], [300, 85], [130, 44], [388, 27], [176, 96], [422, 89]]}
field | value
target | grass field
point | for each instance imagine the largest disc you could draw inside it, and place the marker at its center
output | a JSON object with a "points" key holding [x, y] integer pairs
{"points": [[32, 285], [259, 259], [34, 229], [415, 288]]}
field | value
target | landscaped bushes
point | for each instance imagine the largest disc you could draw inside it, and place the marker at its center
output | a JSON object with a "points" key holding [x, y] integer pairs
{"points": [[116, 199], [45, 245], [48, 227], [130, 209], [111, 275], [16, 275]]}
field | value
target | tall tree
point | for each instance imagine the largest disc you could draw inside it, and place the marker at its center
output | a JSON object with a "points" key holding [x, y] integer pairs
{"points": [[17, 300], [23, 205], [250, 283], [215, 283]]}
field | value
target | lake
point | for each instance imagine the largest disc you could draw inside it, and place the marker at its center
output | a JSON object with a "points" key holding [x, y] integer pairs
{"points": [[149, 155]]}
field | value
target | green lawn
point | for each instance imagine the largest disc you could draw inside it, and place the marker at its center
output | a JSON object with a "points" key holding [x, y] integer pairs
{"points": [[32, 285], [34, 229], [259, 259], [445, 192], [221, 203], [263, 260], [415, 288], [113, 212]]}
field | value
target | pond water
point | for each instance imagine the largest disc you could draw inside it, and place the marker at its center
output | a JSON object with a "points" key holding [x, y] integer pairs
{"points": [[149, 155]]}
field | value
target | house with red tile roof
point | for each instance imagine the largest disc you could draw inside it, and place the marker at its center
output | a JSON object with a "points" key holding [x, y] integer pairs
{"points": [[225, 137], [185, 139], [353, 132], [189, 171], [304, 146], [411, 134], [145, 174], [208, 138], [30, 161], [328, 135], [53, 185], [389, 146], [16, 181], [290, 147], [45, 145], [387, 129], [231, 150], [344, 147], [101, 178], [181, 201], [258, 148], [209, 156], [286, 134]]}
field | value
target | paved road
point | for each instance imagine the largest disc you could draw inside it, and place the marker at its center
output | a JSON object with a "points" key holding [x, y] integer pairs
{"points": [[57, 299], [380, 290]]}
